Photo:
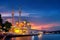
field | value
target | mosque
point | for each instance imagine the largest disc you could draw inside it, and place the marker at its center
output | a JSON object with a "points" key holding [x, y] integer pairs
{"points": [[20, 27]]}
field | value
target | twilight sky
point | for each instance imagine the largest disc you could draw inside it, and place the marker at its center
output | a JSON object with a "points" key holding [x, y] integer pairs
{"points": [[44, 14]]}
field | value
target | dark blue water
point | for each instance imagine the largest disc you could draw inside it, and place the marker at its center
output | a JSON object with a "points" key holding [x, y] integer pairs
{"points": [[48, 37]]}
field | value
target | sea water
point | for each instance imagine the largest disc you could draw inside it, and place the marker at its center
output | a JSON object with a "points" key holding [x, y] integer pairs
{"points": [[49, 37]]}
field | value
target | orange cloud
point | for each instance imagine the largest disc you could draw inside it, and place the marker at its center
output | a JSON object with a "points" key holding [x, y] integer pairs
{"points": [[43, 26]]}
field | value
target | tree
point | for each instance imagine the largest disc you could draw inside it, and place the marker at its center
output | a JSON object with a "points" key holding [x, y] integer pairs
{"points": [[7, 26], [0, 20], [1, 23]]}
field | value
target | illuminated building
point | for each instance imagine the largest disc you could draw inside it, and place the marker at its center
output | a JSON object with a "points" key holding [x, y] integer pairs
{"points": [[21, 27]]}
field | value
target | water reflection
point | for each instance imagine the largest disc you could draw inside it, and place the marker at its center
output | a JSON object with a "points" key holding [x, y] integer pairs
{"points": [[32, 38], [40, 37], [36, 38], [22, 38], [29, 38]]}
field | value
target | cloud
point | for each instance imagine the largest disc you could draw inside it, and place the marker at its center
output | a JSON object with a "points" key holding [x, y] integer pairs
{"points": [[9, 14], [5, 14], [55, 18], [2, 7], [45, 26], [45, 22], [54, 28]]}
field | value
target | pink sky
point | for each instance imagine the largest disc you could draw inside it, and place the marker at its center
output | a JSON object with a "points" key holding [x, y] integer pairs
{"points": [[44, 26]]}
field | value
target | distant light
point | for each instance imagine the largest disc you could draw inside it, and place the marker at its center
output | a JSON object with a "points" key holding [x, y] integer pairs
{"points": [[17, 23], [21, 24], [40, 34], [4, 27], [28, 24], [24, 22], [0, 30]]}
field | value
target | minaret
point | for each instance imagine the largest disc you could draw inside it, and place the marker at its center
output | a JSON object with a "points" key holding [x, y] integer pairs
{"points": [[19, 15], [12, 17]]}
